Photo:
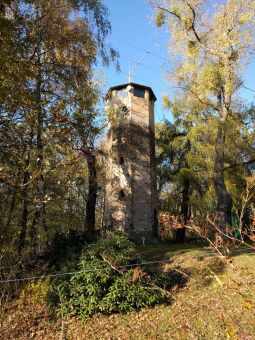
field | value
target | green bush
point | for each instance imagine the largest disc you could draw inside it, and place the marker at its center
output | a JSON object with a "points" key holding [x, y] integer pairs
{"points": [[109, 280], [35, 292]]}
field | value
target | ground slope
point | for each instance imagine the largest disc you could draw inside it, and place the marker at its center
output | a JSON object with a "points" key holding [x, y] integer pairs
{"points": [[211, 299]]}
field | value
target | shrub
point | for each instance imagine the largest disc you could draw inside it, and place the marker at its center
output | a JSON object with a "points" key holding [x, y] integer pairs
{"points": [[65, 250], [110, 280], [35, 292]]}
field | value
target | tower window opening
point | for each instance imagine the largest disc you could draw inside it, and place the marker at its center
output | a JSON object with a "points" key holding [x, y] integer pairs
{"points": [[122, 195], [124, 109], [139, 93], [121, 160]]}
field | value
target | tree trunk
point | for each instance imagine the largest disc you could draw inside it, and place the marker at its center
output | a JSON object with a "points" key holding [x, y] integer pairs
{"points": [[224, 202], [40, 208], [24, 195], [180, 234], [24, 217], [102, 223], [13, 204], [90, 218]]}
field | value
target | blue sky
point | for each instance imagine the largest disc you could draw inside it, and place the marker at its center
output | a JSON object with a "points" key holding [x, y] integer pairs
{"points": [[133, 33]]}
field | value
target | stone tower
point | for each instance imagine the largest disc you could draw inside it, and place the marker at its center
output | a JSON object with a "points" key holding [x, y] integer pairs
{"points": [[131, 192]]}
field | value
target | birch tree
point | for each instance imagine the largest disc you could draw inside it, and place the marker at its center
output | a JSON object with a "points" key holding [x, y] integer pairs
{"points": [[211, 45]]}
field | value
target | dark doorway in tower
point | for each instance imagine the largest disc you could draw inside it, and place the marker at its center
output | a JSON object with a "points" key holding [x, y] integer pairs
{"points": [[122, 194]]}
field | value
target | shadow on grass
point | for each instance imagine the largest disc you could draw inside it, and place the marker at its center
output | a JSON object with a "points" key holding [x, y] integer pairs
{"points": [[207, 268], [167, 250], [164, 251], [243, 251], [177, 279]]}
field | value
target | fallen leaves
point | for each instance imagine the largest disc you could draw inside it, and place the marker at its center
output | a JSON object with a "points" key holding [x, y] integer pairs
{"points": [[222, 308]]}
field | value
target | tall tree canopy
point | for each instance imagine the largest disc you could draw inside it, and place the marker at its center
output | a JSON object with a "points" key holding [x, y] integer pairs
{"points": [[211, 49], [48, 96]]}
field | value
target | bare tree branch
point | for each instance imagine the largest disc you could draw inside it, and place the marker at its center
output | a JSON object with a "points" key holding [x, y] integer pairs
{"points": [[193, 21], [239, 164]]}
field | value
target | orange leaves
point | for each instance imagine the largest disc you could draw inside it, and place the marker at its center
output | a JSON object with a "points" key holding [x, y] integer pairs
{"points": [[248, 304]]}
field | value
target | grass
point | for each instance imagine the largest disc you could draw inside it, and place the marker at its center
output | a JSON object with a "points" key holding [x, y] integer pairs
{"points": [[209, 300]]}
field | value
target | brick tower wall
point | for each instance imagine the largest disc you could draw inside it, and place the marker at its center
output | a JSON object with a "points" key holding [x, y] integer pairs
{"points": [[131, 195]]}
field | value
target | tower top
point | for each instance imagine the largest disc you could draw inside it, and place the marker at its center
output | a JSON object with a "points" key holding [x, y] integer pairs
{"points": [[135, 86]]}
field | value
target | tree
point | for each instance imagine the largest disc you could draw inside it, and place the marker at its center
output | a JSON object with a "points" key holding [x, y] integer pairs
{"points": [[47, 62], [172, 149], [186, 153], [211, 50]]}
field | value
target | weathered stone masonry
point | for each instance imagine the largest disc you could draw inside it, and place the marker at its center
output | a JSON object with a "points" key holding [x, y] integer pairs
{"points": [[131, 193]]}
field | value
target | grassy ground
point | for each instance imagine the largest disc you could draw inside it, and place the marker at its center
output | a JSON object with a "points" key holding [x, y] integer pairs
{"points": [[209, 300]]}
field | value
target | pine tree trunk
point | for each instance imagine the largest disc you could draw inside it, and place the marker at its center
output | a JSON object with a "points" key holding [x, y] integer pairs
{"points": [[180, 234], [90, 218]]}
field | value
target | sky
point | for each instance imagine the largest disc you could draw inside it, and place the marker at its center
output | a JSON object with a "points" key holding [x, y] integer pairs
{"points": [[134, 33]]}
